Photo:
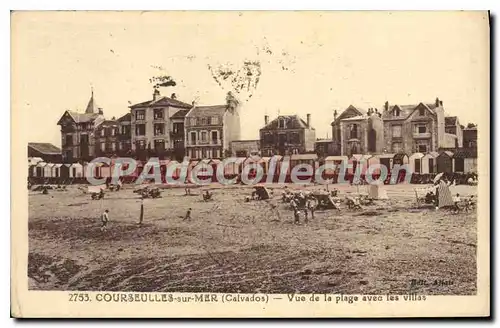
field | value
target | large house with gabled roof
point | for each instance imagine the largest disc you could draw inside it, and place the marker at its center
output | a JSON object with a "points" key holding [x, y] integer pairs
{"points": [[421, 127], [77, 132], [287, 135], [152, 127]]}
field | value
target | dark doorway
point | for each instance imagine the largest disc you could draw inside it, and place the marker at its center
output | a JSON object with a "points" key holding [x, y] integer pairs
{"points": [[372, 141]]}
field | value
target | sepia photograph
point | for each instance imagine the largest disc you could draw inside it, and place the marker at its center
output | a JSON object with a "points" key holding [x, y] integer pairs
{"points": [[239, 163]]}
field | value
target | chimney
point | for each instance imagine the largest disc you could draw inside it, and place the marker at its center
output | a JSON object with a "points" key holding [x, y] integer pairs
{"points": [[308, 120], [156, 94], [173, 96], [334, 115], [101, 111], [437, 102], [386, 106], [441, 103], [266, 119]]}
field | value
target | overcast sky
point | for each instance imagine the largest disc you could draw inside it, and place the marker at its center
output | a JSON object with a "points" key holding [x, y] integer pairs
{"points": [[310, 62]]}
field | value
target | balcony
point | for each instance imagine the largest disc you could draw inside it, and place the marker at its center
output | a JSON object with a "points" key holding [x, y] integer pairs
{"points": [[217, 142], [425, 135]]}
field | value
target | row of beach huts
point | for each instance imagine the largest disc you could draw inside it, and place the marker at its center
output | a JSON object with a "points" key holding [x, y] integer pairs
{"points": [[462, 161]]}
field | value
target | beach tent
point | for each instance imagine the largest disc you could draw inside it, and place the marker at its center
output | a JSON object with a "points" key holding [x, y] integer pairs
{"points": [[376, 190], [465, 160], [429, 162], [340, 162], [47, 170], [359, 159], [76, 170], [444, 162], [262, 192], [56, 170], [386, 160], [40, 169], [400, 158], [415, 161]]}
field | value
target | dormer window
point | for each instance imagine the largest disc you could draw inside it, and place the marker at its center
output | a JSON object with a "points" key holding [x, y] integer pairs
{"points": [[396, 112], [421, 112], [281, 123]]}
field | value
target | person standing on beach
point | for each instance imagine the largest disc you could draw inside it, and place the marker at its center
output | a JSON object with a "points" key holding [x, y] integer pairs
{"points": [[104, 220], [188, 215]]}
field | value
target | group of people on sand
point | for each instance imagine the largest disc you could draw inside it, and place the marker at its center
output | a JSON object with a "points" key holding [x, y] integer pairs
{"points": [[301, 202]]}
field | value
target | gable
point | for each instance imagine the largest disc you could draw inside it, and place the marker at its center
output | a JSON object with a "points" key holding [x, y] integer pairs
{"points": [[416, 112], [349, 112], [66, 119]]}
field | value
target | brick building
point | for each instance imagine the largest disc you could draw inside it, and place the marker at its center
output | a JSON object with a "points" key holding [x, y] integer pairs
{"points": [[286, 135]]}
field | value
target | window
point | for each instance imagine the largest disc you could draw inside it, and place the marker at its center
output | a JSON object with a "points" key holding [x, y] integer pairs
{"points": [[215, 136], [140, 129], [281, 123], [268, 138], [113, 131], [113, 146], [396, 131], [353, 131], [192, 121], [396, 112], [421, 112], [159, 145], [203, 121], [193, 137], [103, 146], [209, 120], [84, 139], [69, 140], [141, 144], [294, 138], [158, 113], [396, 147], [422, 148], [203, 136], [215, 120], [140, 115], [178, 128], [125, 129], [421, 128], [159, 129], [102, 132]]}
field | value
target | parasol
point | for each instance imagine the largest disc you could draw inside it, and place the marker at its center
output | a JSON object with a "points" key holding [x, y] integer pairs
{"points": [[438, 177]]}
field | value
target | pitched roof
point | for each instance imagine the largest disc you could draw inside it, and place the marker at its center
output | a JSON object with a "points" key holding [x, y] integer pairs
{"points": [[83, 117], [162, 102], [44, 147], [450, 120], [406, 110], [356, 118], [108, 123], [356, 110], [92, 106], [205, 111], [181, 113], [292, 122], [465, 153], [125, 118]]}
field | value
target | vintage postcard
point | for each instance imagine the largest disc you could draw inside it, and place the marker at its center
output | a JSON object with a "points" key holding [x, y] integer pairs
{"points": [[250, 164]]}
